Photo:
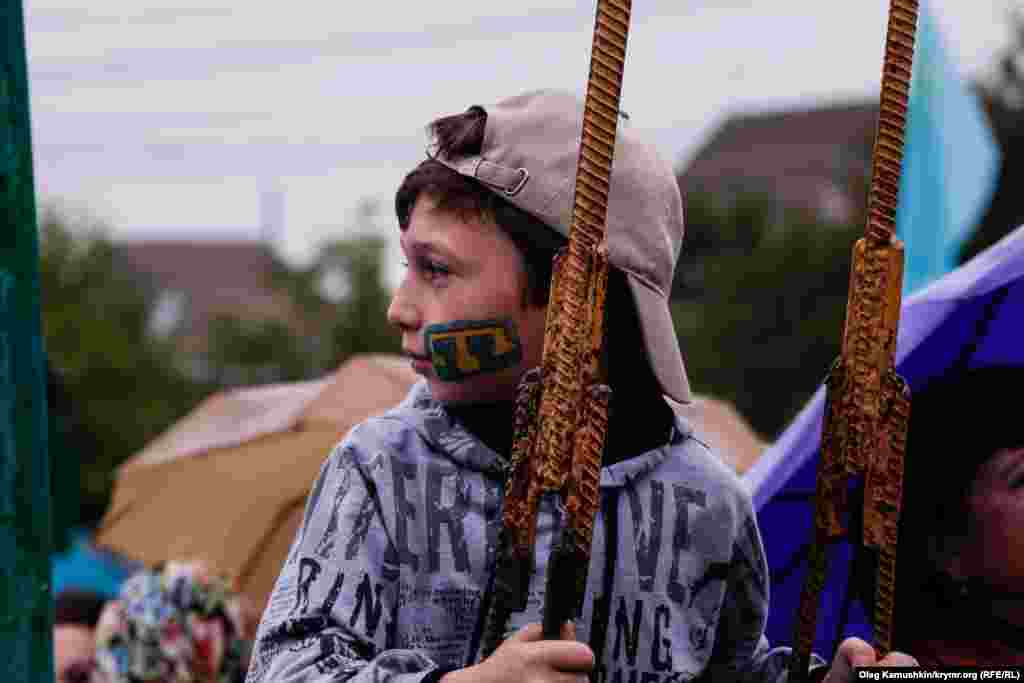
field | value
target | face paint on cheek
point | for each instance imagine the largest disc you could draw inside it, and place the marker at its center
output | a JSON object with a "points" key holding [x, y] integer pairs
{"points": [[465, 348]]}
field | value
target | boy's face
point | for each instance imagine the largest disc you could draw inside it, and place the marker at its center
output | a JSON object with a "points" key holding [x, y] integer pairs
{"points": [[462, 271]]}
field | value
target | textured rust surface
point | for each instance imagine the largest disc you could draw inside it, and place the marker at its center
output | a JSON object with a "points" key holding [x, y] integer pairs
{"points": [[867, 403], [519, 508], [885, 600], [884, 482], [807, 617], [513, 555], [562, 412], [830, 488], [892, 120], [872, 319], [563, 388], [551, 322], [583, 498], [597, 293], [883, 497]]}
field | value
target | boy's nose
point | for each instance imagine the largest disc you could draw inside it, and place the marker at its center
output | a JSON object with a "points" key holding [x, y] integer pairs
{"points": [[401, 312]]}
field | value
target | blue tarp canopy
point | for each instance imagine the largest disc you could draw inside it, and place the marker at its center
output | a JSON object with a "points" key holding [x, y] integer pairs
{"points": [[85, 567]]}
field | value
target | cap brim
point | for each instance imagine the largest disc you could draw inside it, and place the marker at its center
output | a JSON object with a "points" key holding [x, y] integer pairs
{"points": [[660, 340]]}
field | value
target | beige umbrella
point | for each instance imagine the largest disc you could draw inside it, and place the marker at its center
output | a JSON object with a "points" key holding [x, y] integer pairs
{"points": [[228, 482]]}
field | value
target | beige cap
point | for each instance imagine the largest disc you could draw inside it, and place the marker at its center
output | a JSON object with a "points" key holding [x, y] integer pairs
{"points": [[529, 156]]}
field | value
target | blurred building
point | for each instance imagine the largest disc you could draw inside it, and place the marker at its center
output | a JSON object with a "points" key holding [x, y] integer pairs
{"points": [[812, 159], [194, 282]]}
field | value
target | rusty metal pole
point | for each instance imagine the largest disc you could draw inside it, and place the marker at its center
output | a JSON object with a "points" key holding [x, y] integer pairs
{"points": [[26, 612], [867, 404]]}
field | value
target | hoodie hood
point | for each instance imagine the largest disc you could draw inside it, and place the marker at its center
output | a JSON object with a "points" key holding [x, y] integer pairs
{"points": [[445, 434]]}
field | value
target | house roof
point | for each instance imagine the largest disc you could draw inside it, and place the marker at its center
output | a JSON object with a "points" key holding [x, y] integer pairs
{"points": [[798, 156], [213, 277]]}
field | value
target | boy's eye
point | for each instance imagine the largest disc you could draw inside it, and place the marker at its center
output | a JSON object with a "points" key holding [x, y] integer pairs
{"points": [[435, 268], [429, 268]]}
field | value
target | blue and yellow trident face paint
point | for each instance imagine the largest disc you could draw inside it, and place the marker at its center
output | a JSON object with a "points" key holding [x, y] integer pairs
{"points": [[465, 348]]}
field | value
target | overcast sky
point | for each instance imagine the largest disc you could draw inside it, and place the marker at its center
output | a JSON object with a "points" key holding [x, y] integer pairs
{"points": [[175, 121]]}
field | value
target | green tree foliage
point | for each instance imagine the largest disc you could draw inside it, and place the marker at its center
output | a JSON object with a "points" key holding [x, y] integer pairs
{"points": [[242, 351], [359, 321], [760, 305], [342, 296], [121, 386]]}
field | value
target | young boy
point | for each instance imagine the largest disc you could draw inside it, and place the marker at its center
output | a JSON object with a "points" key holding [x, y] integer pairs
{"points": [[391, 573]]}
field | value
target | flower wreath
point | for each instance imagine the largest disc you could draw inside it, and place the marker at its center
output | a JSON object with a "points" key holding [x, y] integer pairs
{"points": [[178, 624]]}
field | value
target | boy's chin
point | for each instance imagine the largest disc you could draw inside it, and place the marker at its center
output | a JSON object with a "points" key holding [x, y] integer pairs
{"points": [[479, 389]]}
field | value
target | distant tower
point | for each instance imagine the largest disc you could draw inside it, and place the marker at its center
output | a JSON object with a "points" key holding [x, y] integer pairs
{"points": [[271, 214]]}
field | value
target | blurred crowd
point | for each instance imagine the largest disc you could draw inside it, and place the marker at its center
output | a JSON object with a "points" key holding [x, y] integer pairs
{"points": [[177, 623]]}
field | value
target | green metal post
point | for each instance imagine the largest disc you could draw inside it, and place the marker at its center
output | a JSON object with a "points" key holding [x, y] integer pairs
{"points": [[26, 611]]}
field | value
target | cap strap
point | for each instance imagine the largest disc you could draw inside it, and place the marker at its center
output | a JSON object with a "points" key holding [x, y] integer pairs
{"points": [[508, 180], [504, 178]]}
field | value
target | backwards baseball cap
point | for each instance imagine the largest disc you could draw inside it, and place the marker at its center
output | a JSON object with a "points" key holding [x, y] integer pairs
{"points": [[529, 156]]}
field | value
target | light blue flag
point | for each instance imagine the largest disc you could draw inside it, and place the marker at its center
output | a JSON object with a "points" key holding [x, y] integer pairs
{"points": [[950, 163]]}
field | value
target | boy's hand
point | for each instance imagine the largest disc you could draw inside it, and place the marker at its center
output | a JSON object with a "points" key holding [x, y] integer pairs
{"points": [[854, 652], [526, 658]]}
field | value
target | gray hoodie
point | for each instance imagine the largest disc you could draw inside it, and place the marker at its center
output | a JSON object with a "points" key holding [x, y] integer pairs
{"points": [[388, 576]]}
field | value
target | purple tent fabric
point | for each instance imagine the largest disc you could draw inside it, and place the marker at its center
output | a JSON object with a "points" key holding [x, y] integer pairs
{"points": [[973, 316]]}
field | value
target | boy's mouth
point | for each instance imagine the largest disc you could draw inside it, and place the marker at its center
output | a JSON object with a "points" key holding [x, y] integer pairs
{"points": [[421, 364]]}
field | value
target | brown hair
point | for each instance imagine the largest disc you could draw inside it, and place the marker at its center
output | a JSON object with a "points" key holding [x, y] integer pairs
{"points": [[461, 135]]}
